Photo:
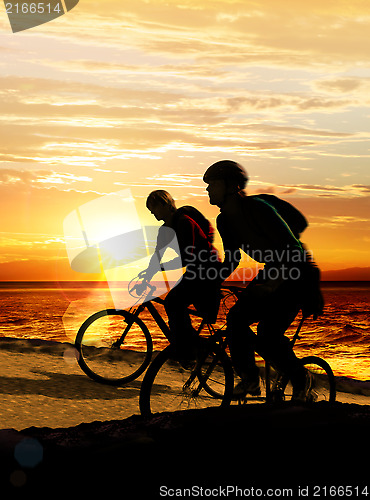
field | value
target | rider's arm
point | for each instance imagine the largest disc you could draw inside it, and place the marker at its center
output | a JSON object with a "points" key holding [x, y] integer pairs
{"points": [[153, 267], [172, 264], [165, 239], [155, 261], [156, 266]]}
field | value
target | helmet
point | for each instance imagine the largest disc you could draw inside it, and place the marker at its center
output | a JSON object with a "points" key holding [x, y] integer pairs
{"points": [[227, 170]]}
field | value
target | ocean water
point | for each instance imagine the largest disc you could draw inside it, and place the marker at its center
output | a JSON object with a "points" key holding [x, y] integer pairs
{"points": [[54, 311]]}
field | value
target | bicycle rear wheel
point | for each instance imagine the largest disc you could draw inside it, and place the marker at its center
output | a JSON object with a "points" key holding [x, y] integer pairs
{"points": [[320, 378], [114, 347], [168, 386]]}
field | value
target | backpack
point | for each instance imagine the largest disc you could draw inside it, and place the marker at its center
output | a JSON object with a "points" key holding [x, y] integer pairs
{"points": [[296, 221], [199, 218]]}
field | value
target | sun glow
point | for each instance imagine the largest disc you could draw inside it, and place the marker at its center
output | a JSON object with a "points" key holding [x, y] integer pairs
{"points": [[150, 93]]}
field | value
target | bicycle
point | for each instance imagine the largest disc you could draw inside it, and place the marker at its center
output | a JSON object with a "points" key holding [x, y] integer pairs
{"points": [[115, 346], [167, 386]]}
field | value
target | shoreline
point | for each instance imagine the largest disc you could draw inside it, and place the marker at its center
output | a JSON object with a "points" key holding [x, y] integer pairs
{"points": [[19, 345]]}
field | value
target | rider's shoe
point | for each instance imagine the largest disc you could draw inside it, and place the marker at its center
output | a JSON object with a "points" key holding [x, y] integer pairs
{"points": [[245, 387]]}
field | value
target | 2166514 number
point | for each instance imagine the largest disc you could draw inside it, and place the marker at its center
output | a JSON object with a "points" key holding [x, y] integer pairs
{"points": [[340, 491], [32, 8]]}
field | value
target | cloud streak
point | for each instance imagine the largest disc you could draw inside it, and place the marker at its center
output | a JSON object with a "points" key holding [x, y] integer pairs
{"points": [[151, 92]]}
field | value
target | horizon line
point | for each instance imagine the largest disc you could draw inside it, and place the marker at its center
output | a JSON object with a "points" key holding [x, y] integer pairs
{"points": [[104, 281]]}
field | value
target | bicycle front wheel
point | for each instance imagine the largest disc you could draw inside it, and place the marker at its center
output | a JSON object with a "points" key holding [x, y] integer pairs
{"points": [[114, 347], [168, 386]]}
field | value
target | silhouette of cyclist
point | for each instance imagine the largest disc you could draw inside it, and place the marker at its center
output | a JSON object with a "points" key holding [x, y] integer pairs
{"points": [[276, 295], [197, 255]]}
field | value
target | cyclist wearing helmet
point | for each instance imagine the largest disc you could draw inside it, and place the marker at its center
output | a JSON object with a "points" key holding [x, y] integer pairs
{"points": [[197, 254], [275, 296]]}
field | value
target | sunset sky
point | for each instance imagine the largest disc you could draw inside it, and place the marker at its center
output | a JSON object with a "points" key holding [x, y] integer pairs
{"points": [[148, 93]]}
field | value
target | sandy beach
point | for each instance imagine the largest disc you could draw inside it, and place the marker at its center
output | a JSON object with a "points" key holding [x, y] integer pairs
{"points": [[43, 386], [78, 423]]}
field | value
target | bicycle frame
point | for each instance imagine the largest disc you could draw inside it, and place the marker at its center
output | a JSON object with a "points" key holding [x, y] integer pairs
{"points": [[148, 304], [224, 344], [215, 333]]}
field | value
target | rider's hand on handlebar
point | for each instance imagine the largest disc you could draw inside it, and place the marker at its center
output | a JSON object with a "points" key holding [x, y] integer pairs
{"points": [[141, 287]]}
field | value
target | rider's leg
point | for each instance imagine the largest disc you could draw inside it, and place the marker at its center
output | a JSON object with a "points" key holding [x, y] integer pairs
{"points": [[242, 343], [272, 344], [204, 294], [176, 305]]}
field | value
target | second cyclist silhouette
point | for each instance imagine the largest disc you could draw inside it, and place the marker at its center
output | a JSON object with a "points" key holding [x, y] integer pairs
{"points": [[288, 282]]}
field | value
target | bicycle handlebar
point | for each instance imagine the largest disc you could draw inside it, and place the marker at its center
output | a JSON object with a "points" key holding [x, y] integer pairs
{"points": [[140, 288]]}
